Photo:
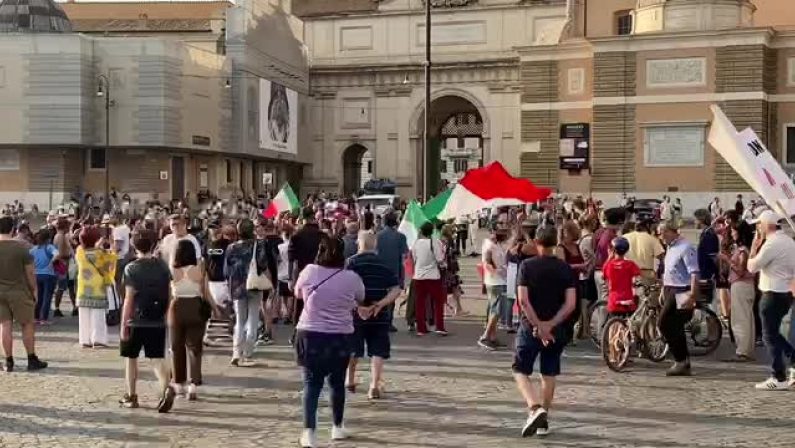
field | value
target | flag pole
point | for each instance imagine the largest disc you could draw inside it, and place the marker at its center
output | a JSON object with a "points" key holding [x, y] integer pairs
{"points": [[783, 211]]}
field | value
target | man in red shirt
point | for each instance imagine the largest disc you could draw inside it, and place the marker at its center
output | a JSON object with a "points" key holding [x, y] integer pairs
{"points": [[620, 274]]}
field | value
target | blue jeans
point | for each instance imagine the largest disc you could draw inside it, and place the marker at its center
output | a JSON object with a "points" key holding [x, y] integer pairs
{"points": [[323, 356], [772, 309], [45, 284]]}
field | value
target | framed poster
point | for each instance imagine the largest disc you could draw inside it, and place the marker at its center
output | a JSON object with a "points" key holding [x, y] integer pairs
{"points": [[575, 146]]}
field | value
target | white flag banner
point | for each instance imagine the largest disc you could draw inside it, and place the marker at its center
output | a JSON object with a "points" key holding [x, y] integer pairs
{"points": [[753, 162]]}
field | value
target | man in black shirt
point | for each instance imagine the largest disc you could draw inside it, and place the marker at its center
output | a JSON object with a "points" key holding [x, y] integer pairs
{"points": [[215, 254], [301, 252], [547, 296], [143, 321]]}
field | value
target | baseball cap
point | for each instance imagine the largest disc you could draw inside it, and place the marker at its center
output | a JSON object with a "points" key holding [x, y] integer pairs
{"points": [[621, 245], [768, 217]]}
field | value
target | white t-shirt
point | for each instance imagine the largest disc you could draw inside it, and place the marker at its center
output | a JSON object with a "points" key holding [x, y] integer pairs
{"points": [[282, 268], [169, 246], [775, 262], [122, 234], [425, 267], [499, 256]]}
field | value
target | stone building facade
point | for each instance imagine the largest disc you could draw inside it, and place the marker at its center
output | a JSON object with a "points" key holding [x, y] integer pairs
{"points": [[637, 76]]}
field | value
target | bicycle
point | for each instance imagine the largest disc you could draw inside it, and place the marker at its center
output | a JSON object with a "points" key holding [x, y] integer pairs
{"points": [[704, 330], [621, 334]]}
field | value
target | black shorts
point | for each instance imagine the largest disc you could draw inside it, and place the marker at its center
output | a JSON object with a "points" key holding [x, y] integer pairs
{"points": [[283, 290], [375, 336], [528, 348], [151, 339]]}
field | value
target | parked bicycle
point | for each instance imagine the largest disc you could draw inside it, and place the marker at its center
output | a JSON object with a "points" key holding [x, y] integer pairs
{"points": [[638, 332]]}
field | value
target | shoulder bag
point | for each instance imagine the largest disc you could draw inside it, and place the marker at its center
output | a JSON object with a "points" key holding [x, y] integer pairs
{"points": [[257, 281]]}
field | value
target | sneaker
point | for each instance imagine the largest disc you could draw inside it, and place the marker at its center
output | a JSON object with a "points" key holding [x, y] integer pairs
{"points": [[167, 400], [57, 313], [772, 384], [442, 332], [392, 329], [412, 328], [129, 401], [193, 392], [265, 340], [247, 362], [488, 345], [9, 365], [422, 333], [180, 391], [537, 419], [679, 369], [791, 375], [308, 439], [374, 393], [34, 363], [543, 431], [338, 433], [738, 359], [235, 362]]}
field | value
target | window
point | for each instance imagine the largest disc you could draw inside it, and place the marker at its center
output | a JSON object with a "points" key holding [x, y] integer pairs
{"points": [[674, 145], [443, 166], [229, 171], [623, 23], [789, 142], [460, 165], [96, 159], [369, 167]]}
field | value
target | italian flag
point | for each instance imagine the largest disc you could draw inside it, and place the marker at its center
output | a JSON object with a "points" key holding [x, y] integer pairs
{"points": [[412, 220], [285, 201], [490, 186]]}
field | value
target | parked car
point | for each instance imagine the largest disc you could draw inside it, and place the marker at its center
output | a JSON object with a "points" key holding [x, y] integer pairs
{"points": [[379, 203], [647, 209]]}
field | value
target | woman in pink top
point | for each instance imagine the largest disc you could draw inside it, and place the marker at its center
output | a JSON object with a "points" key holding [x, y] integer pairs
{"points": [[742, 296], [322, 342]]}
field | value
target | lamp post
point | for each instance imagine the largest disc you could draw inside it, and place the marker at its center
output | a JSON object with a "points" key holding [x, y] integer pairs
{"points": [[427, 140], [103, 91]]}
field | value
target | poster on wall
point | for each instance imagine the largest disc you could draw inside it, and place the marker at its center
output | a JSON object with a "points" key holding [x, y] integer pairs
{"points": [[278, 105], [575, 145]]}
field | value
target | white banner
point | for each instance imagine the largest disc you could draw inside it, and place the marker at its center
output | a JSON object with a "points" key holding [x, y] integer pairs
{"points": [[753, 162], [278, 117]]}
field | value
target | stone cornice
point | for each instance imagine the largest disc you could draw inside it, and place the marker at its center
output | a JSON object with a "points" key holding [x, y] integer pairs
{"points": [[519, 5]]}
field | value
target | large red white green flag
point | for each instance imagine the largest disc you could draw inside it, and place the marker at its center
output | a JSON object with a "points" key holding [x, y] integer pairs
{"points": [[285, 201]]}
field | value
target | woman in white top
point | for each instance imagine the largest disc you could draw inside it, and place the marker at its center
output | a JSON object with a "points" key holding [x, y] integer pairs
{"points": [[428, 257], [188, 315]]}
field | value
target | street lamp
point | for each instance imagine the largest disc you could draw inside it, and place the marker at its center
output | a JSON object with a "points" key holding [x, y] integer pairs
{"points": [[103, 91]]}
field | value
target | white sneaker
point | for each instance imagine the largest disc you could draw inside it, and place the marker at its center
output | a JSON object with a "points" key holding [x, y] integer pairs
{"points": [[308, 439], [772, 384], [537, 419], [193, 392], [179, 390], [338, 433], [543, 431]]}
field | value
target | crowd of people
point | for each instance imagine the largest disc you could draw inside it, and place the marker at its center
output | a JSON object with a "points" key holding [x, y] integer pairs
{"points": [[336, 273]]}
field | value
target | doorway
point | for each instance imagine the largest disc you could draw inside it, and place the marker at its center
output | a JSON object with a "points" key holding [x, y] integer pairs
{"points": [[177, 177]]}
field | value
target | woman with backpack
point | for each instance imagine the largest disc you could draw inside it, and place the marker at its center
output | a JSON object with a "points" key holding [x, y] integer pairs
{"points": [[44, 254], [96, 268]]}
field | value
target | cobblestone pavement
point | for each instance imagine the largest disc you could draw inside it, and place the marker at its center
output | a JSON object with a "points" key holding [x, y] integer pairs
{"points": [[442, 392]]}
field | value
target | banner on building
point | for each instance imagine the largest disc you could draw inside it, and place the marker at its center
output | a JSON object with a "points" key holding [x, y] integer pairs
{"points": [[278, 118], [575, 146], [753, 162]]}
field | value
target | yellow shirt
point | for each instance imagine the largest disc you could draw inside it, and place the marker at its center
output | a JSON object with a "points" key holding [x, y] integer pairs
{"points": [[644, 249], [96, 269]]}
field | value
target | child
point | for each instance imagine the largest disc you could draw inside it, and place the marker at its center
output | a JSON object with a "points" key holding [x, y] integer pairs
{"points": [[620, 274]]}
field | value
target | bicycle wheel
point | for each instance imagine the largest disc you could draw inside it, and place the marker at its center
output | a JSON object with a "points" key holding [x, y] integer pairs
{"points": [[616, 343], [598, 313], [704, 331], [653, 346]]}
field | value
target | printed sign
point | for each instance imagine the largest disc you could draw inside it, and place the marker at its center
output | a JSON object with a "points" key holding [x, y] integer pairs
{"points": [[278, 117], [575, 145], [267, 178]]}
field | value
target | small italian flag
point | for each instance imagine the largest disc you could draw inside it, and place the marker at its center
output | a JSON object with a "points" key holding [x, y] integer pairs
{"points": [[412, 220], [285, 201]]}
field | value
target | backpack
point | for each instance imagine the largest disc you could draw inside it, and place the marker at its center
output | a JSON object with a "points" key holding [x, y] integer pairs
{"points": [[149, 307]]}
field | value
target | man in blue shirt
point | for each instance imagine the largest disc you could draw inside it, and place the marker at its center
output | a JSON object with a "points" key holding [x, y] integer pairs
{"points": [[392, 250], [381, 291], [680, 290]]}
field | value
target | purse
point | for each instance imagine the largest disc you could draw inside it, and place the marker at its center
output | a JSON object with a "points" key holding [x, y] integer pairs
{"points": [[257, 281], [442, 267]]}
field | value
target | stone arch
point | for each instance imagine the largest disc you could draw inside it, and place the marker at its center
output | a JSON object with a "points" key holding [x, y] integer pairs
{"points": [[351, 159]]}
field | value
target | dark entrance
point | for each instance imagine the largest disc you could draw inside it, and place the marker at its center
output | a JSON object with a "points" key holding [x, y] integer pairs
{"points": [[352, 168], [177, 177]]}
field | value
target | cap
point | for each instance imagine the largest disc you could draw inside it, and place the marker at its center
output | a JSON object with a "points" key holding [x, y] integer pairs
{"points": [[768, 217], [621, 245]]}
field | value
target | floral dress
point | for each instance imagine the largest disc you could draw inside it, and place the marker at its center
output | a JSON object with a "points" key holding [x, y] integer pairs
{"points": [[96, 270]]}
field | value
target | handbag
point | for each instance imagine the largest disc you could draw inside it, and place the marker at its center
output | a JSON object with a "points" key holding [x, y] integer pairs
{"points": [[442, 267], [113, 315], [257, 281]]}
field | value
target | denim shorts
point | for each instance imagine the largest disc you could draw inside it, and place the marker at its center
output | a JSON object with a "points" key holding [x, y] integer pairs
{"points": [[375, 336], [497, 296], [528, 348]]}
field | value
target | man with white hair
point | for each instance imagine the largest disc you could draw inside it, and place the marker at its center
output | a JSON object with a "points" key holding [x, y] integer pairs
{"points": [[382, 288], [773, 257]]}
